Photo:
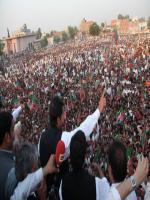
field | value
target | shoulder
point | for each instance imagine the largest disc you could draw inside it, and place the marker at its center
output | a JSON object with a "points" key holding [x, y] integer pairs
{"points": [[6, 160], [10, 183]]}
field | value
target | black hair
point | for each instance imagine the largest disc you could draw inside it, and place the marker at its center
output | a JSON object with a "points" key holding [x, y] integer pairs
{"points": [[117, 158], [5, 124], [78, 148], [55, 110]]}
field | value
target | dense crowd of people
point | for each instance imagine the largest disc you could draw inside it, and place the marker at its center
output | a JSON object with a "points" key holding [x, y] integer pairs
{"points": [[78, 72]]}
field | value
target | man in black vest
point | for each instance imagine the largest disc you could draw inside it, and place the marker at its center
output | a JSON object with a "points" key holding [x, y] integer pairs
{"points": [[78, 184], [51, 136]]}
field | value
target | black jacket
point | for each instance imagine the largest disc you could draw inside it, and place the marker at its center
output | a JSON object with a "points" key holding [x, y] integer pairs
{"points": [[6, 163], [78, 186], [47, 146]]}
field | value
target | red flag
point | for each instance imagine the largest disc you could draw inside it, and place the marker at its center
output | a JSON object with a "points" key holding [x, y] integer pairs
{"points": [[147, 83]]}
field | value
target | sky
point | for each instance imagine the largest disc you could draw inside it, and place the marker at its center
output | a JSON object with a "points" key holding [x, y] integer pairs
{"points": [[58, 14]]}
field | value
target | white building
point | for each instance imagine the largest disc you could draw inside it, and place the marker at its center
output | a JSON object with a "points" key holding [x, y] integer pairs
{"points": [[20, 40]]}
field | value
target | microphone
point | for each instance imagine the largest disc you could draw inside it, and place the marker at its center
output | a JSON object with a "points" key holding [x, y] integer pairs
{"points": [[59, 155]]}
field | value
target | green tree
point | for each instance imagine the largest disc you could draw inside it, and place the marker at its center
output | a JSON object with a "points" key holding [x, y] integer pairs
{"points": [[127, 17], [24, 27], [142, 19], [72, 31], [1, 47], [47, 35], [44, 42], [57, 39], [148, 23], [123, 17], [52, 33], [64, 36], [38, 33], [94, 29], [102, 25], [120, 16]]}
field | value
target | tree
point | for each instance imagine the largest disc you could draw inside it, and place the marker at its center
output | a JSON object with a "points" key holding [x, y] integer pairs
{"points": [[127, 17], [148, 23], [1, 47], [123, 17], [142, 19], [38, 34], [25, 27], [47, 35], [44, 42], [120, 16], [94, 29], [57, 39], [64, 36], [102, 25], [72, 31], [52, 33]]}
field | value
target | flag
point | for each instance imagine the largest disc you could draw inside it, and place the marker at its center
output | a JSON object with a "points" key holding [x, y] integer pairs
{"points": [[129, 152], [82, 94], [120, 115], [147, 83], [130, 65], [20, 84], [120, 111], [33, 98], [33, 107], [15, 100]]}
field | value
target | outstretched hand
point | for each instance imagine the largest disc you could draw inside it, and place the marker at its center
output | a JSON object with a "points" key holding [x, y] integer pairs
{"points": [[141, 170], [102, 102], [50, 167]]}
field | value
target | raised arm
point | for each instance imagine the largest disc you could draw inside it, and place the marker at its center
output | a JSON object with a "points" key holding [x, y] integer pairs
{"points": [[87, 125], [126, 187], [16, 113]]}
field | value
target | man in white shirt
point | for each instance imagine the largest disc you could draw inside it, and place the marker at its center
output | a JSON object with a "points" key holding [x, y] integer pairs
{"points": [[127, 186], [117, 158]]}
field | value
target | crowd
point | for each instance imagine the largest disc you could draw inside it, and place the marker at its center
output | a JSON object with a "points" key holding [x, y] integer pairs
{"points": [[78, 72]]}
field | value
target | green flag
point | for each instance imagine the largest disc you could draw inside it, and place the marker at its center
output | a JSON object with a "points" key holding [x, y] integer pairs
{"points": [[15, 100], [33, 98]]}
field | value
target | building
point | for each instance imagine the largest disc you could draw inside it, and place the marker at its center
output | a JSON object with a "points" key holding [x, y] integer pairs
{"points": [[124, 26], [20, 40], [134, 27], [50, 41], [143, 25], [37, 44], [85, 26]]}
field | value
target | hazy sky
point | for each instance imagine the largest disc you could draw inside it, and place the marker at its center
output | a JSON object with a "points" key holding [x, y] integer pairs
{"points": [[58, 14]]}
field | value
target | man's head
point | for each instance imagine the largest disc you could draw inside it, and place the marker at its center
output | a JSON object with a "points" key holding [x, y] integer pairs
{"points": [[117, 159], [56, 112], [6, 130], [26, 160], [78, 147]]}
